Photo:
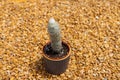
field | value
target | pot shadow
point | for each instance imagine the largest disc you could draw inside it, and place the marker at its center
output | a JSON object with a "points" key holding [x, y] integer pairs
{"points": [[39, 69]]}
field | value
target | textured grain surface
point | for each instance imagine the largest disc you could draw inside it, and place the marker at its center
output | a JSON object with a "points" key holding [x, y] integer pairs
{"points": [[91, 27]]}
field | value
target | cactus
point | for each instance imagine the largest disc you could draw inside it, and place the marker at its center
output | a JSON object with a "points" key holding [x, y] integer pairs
{"points": [[55, 36]]}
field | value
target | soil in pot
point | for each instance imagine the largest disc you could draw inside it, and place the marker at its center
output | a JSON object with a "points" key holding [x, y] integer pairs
{"points": [[52, 54]]}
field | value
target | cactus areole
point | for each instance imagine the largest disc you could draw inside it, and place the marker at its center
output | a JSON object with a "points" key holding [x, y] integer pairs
{"points": [[56, 53]]}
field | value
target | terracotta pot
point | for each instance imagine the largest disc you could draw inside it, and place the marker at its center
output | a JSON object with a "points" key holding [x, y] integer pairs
{"points": [[56, 66]]}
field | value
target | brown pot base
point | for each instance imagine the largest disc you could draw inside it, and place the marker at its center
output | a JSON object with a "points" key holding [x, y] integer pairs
{"points": [[57, 65]]}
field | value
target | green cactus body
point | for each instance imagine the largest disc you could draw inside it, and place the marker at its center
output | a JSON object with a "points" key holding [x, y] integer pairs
{"points": [[55, 36]]}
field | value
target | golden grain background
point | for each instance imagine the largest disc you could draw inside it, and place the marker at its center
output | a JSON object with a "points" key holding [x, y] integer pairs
{"points": [[91, 27]]}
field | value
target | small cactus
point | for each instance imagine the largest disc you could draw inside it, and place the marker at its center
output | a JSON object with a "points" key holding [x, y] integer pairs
{"points": [[55, 36]]}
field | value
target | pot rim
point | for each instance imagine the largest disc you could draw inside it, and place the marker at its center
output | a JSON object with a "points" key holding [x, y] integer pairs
{"points": [[58, 59]]}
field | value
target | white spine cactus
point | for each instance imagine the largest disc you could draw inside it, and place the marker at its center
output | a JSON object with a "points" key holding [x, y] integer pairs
{"points": [[55, 36]]}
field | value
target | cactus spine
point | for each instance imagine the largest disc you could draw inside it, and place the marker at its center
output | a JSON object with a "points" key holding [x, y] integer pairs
{"points": [[55, 36]]}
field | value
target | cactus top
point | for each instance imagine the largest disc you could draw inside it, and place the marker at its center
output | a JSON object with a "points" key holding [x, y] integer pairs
{"points": [[52, 20], [53, 26]]}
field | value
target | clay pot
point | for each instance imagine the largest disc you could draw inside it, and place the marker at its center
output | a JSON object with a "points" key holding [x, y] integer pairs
{"points": [[56, 66]]}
